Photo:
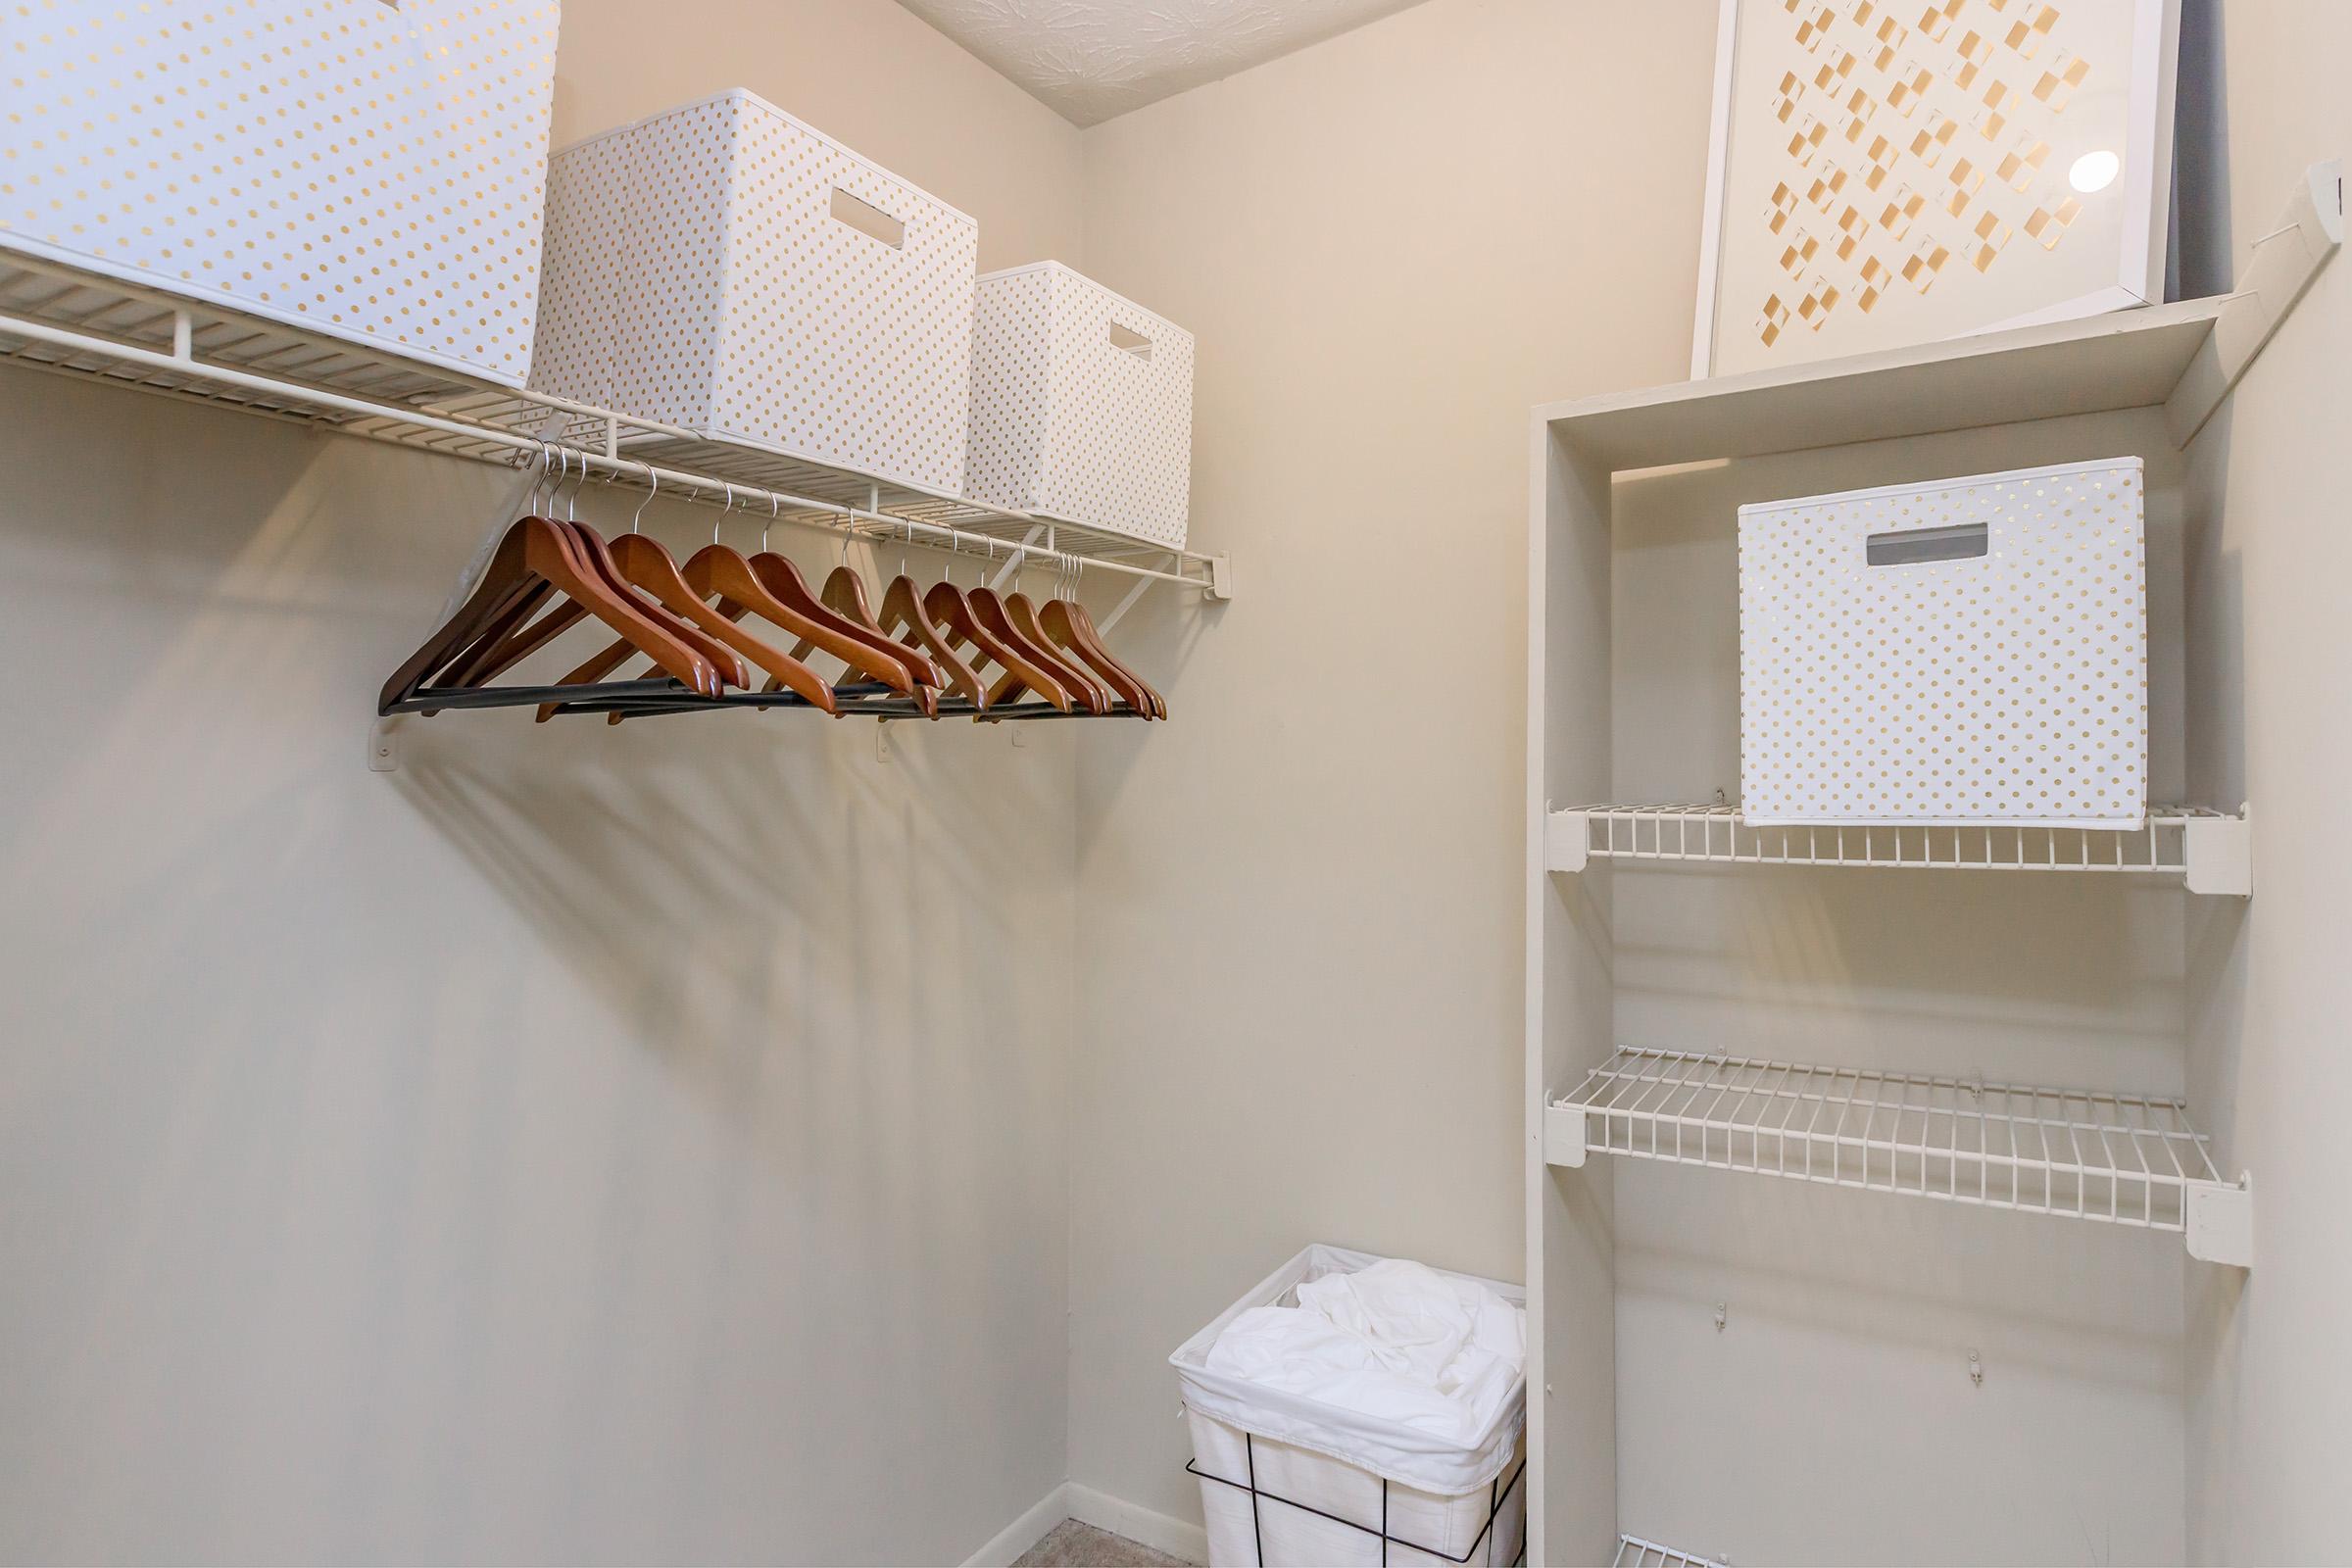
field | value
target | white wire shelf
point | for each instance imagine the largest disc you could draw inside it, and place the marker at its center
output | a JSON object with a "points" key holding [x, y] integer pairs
{"points": [[2120, 1159], [2210, 850], [1634, 1552], [78, 324]]}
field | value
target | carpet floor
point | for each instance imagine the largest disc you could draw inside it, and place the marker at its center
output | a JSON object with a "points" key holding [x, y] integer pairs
{"points": [[1071, 1544]]}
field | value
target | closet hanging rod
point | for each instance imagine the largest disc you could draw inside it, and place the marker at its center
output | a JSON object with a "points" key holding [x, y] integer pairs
{"points": [[452, 419]]}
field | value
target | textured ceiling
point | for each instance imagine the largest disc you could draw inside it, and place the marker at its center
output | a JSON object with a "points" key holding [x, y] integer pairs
{"points": [[1092, 59]]}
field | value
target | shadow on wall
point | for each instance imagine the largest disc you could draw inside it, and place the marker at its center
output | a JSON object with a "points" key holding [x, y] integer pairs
{"points": [[756, 878], [1159, 639], [2202, 259]]}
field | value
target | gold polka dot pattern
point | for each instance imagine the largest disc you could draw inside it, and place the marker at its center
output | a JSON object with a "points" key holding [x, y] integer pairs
{"points": [[697, 273], [2007, 687], [1916, 144], [1082, 406], [362, 171]]}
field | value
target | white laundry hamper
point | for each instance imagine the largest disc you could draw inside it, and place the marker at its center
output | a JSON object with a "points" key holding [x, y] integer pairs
{"points": [[364, 172], [1082, 406], [1968, 651], [724, 267], [1290, 1482]]}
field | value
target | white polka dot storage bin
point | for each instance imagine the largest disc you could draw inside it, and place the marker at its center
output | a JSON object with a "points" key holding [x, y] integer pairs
{"points": [[1082, 406], [724, 267], [1968, 651], [361, 169]]}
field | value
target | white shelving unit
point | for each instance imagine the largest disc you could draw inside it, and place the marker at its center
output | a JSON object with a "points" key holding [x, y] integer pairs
{"points": [[60, 319], [2210, 851], [1634, 1552], [2120, 1158], [2079, 1153]]}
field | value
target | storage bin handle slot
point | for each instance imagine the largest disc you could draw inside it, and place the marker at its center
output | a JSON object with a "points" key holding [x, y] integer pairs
{"points": [[868, 220], [1128, 340], [1916, 547]]}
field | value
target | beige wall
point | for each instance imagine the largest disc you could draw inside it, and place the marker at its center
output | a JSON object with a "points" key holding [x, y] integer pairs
{"points": [[634, 1144], [1302, 1015], [867, 72], [2269, 1383]]}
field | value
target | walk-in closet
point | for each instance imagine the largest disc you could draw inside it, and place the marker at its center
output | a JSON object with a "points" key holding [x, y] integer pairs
{"points": [[1105, 784]]}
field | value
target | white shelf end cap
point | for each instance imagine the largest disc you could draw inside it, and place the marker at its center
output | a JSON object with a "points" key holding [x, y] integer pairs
{"points": [[2220, 854], [1564, 1136], [1567, 842], [2221, 1222]]}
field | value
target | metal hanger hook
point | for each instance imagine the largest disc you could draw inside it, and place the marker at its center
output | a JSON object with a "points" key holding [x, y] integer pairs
{"points": [[725, 507], [776, 508], [555, 497], [653, 478]]}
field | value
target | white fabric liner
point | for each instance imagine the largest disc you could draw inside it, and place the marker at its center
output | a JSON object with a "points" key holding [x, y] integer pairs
{"points": [[1436, 1454]]}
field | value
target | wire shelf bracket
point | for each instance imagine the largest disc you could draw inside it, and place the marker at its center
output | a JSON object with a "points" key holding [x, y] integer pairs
{"points": [[2121, 1159], [2210, 851], [73, 322]]}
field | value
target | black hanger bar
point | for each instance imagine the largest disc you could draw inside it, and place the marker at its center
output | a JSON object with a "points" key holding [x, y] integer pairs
{"points": [[454, 697], [663, 694]]}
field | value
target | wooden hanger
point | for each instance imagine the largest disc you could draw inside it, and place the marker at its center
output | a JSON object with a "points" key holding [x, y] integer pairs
{"points": [[643, 562], [1021, 610], [845, 593], [508, 643], [722, 573], [538, 550], [953, 612], [1069, 624], [1066, 621], [990, 612], [647, 567], [785, 582], [903, 611], [496, 654]]}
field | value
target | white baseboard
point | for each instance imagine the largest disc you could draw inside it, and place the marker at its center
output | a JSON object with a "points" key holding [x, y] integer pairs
{"points": [[1178, 1537], [1033, 1526], [1070, 1500]]}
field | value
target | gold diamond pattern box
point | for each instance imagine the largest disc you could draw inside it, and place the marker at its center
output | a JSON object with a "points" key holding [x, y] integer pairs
{"points": [[1968, 651], [723, 267], [1082, 406], [359, 170]]}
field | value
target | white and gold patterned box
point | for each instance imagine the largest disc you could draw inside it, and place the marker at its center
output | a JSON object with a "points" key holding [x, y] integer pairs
{"points": [[362, 171], [724, 267], [1082, 405], [1972, 651]]}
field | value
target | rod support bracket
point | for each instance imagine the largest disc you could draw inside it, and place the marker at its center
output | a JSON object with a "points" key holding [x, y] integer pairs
{"points": [[384, 745], [1220, 578]]}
